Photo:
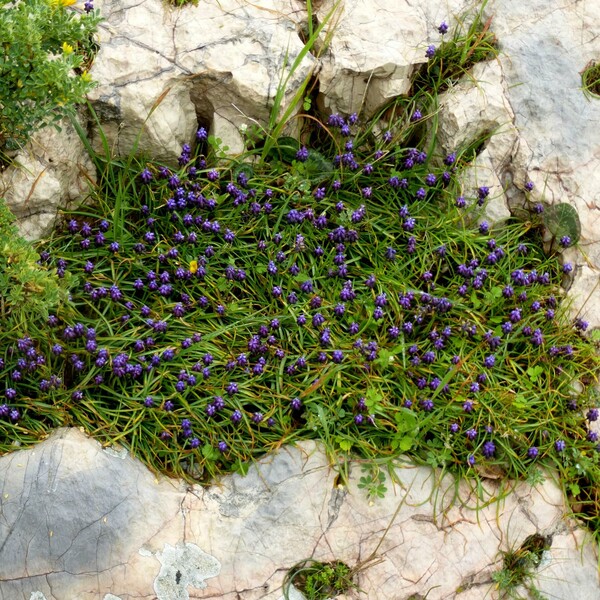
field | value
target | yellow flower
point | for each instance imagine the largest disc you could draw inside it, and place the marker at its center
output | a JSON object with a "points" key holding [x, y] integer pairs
{"points": [[61, 3], [85, 76], [193, 266], [67, 48]]}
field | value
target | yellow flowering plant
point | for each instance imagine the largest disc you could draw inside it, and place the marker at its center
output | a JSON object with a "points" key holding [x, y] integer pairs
{"points": [[36, 89]]}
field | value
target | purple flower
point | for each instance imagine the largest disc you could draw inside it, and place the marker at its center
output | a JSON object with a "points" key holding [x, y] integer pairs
{"points": [[488, 450], [533, 452], [536, 338], [559, 445], [325, 337], [306, 286], [489, 361], [232, 388], [443, 27], [471, 433], [483, 192], [427, 405], [302, 154], [565, 241], [430, 52], [337, 356], [318, 320]]}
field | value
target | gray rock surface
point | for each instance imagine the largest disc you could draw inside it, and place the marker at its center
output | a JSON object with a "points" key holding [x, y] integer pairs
{"points": [[51, 172], [82, 523], [375, 47], [544, 48], [162, 70]]}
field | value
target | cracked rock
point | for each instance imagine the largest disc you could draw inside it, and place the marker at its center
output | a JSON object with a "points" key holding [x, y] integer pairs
{"points": [[81, 523]]}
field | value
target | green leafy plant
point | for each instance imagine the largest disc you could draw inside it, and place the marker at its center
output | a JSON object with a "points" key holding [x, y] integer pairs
{"points": [[318, 580], [471, 43], [26, 288], [45, 50], [519, 568], [373, 482], [180, 3], [28, 292], [562, 222]]}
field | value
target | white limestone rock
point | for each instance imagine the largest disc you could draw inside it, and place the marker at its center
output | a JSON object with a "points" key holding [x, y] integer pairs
{"points": [[52, 171], [478, 109], [544, 48], [81, 523], [162, 70], [375, 47]]}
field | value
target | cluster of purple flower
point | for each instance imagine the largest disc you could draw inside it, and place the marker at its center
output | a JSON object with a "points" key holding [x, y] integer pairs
{"points": [[308, 293]]}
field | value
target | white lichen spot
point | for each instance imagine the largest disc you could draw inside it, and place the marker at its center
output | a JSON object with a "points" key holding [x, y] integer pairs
{"points": [[116, 451], [37, 596], [111, 597], [183, 566]]}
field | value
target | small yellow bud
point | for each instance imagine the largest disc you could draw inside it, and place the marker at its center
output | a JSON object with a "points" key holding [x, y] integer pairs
{"points": [[85, 76], [61, 3], [67, 48], [193, 266]]}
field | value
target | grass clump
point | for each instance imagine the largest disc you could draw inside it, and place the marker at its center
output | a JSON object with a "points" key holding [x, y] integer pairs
{"points": [[350, 292], [319, 581], [451, 60], [519, 568], [590, 79], [28, 292]]}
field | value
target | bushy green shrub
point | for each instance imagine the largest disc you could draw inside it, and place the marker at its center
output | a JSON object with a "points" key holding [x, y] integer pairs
{"points": [[44, 51], [26, 288]]}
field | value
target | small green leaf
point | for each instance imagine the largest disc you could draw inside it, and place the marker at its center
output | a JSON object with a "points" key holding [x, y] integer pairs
{"points": [[404, 443], [562, 220], [534, 372], [209, 452], [344, 444], [373, 398]]}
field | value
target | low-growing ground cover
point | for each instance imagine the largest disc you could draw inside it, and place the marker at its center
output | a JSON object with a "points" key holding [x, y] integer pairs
{"points": [[345, 288]]}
